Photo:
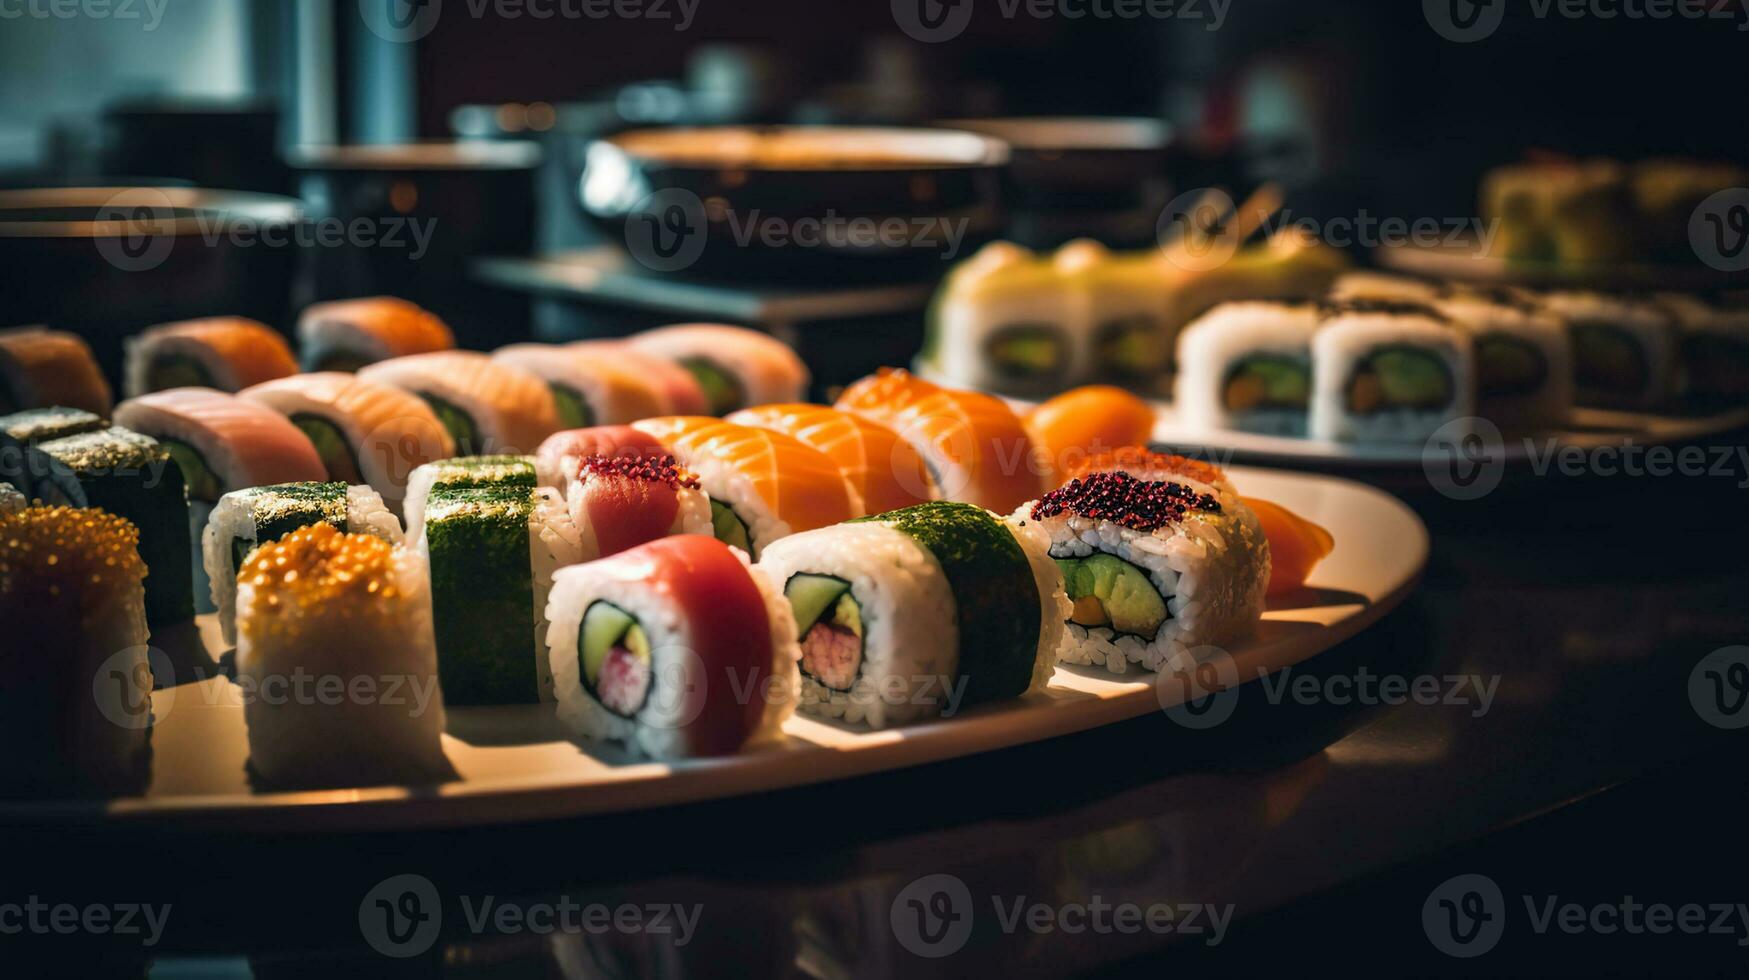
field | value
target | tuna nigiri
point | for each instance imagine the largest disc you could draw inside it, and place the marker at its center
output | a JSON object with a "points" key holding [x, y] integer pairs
{"points": [[228, 353], [555, 463], [620, 502], [42, 368], [885, 471], [489, 408]]}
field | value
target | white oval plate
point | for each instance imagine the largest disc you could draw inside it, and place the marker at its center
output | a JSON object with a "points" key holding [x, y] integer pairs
{"points": [[516, 764]]}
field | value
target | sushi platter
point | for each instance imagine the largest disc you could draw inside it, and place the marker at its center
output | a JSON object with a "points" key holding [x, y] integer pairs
{"points": [[517, 762]]}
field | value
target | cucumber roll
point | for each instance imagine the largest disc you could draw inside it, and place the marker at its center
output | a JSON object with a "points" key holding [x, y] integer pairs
{"points": [[1248, 366], [1624, 350], [134, 477], [463, 471], [1387, 371], [1007, 320], [244, 520], [1152, 568], [676, 648], [919, 612], [492, 552], [321, 611]]}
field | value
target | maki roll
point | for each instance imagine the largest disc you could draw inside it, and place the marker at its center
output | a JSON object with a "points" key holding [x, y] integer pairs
{"points": [[1007, 319], [462, 471], [244, 520], [220, 443], [1523, 357], [1128, 335], [41, 367], [1624, 350], [559, 456], [73, 604], [734, 366], [1388, 372], [762, 485], [365, 432], [676, 648], [134, 477], [620, 502], [321, 604], [487, 406], [345, 335], [1385, 286], [1248, 366], [22, 430], [1713, 340], [676, 388], [885, 471], [1152, 568], [1142, 464], [228, 353], [11, 499], [1562, 211], [919, 611], [492, 552], [975, 447], [587, 389]]}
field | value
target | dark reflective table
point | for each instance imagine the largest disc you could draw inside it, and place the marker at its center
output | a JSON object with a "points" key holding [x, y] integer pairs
{"points": [[1550, 728]]}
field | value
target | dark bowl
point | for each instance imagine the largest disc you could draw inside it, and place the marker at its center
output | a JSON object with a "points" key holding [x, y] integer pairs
{"points": [[820, 204], [106, 261]]}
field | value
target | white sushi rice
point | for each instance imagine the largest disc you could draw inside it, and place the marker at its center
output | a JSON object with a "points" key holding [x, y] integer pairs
{"points": [[1648, 326], [233, 518], [1211, 569], [1053, 601], [1001, 287], [911, 644], [692, 516], [552, 544], [1550, 404], [1347, 338], [1209, 348], [678, 676]]}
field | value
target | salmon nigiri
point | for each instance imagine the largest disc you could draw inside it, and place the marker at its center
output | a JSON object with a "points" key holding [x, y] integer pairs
{"points": [[885, 470], [975, 445], [1296, 545], [222, 442], [1085, 422], [763, 485]]}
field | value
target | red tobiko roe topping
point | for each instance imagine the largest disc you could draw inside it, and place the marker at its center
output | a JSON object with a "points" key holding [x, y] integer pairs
{"points": [[649, 469], [1122, 499]]}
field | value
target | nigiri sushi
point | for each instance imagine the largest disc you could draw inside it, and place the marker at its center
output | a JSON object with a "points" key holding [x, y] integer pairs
{"points": [[1296, 545], [345, 335], [886, 472], [555, 463], [975, 446], [587, 389], [1085, 422], [676, 648], [228, 353], [365, 431], [678, 390], [735, 366], [41, 367], [488, 407], [763, 485]]}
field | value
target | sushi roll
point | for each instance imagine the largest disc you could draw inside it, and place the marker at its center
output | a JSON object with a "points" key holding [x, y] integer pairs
{"points": [[492, 552], [134, 477], [1008, 320], [676, 648], [920, 611], [22, 430], [1523, 357], [228, 353], [619, 502], [1248, 367], [1128, 336], [462, 471], [1624, 349], [976, 448], [73, 604], [587, 389], [321, 604], [348, 334], [1386, 286], [556, 462], [1153, 569], [676, 388], [41, 367], [365, 432], [735, 367], [1140, 463], [1388, 372], [11, 499], [1562, 211], [488, 407], [1713, 341], [244, 520], [885, 471], [762, 485]]}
